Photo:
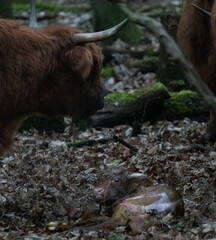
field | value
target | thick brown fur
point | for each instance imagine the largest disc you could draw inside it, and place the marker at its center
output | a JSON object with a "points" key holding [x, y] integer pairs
{"points": [[197, 39], [44, 71]]}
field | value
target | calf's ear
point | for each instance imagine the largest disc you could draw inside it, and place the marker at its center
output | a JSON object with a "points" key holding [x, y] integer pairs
{"points": [[80, 60]]}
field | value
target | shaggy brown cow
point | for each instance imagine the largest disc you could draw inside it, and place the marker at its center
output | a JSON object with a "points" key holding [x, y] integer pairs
{"points": [[197, 39], [51, 71]]}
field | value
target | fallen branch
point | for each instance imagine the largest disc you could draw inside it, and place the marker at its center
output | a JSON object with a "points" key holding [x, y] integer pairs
{"points": [[176, 55], [89, 142], [120, 140], [152, 105]]}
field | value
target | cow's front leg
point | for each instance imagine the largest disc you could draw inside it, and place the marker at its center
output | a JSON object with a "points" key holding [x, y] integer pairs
{"points": [[7, 131]]}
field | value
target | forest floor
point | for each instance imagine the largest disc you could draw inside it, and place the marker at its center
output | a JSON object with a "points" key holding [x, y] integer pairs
{"points": [[46, 185], [43, 181]]}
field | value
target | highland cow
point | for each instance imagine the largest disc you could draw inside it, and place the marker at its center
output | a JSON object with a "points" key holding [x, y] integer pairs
{"points": [[53, 71], [197, 39]]}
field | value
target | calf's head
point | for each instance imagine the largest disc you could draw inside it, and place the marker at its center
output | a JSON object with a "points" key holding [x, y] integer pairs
{"points": [[117, 183]]}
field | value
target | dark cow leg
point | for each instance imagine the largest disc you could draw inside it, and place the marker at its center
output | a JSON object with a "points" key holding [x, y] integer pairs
{"points": [[211, 129], [7, 131]]}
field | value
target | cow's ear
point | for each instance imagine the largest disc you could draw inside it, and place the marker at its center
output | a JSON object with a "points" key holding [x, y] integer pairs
{"points": [[80, 60]]}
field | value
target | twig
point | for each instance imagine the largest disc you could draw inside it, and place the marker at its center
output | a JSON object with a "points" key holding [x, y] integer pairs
{"points": [[118, 139], [200, 147], [89, 142]]}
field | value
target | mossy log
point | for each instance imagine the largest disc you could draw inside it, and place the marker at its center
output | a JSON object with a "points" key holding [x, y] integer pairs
{"points": [[149, 104], [121, 108], [185, 103], [145, 104]]}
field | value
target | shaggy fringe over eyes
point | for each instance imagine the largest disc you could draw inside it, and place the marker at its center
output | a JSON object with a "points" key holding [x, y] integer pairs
{"points": [[80, 60]]}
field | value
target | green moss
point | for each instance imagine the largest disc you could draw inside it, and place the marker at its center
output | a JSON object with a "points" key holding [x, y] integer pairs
{"points": [[155, 87], [126, 97], [73, 9], [157, 10], [42, 124], [19, 7], [108, 72], [52, 21], [116, 162], [140, 92], [47, 7], [73, 144], [148, 64], [182, 102], [120, 97], [158, 85], [191, 130], [150, 53], [107, 14]]}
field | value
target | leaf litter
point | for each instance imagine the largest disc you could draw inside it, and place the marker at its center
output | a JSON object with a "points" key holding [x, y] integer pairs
{"points": [[46, 186], [45, 183]]}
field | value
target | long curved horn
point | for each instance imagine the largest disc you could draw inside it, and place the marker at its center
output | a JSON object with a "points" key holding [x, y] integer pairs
{"points": [[201, 9], [98, 36]]}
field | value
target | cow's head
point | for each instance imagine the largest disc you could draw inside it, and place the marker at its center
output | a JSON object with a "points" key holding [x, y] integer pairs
{"points": [[79, 71]]}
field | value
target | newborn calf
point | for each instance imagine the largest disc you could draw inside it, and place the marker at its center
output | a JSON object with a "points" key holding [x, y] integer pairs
{"points": [[138, 195], [116, 183]]}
